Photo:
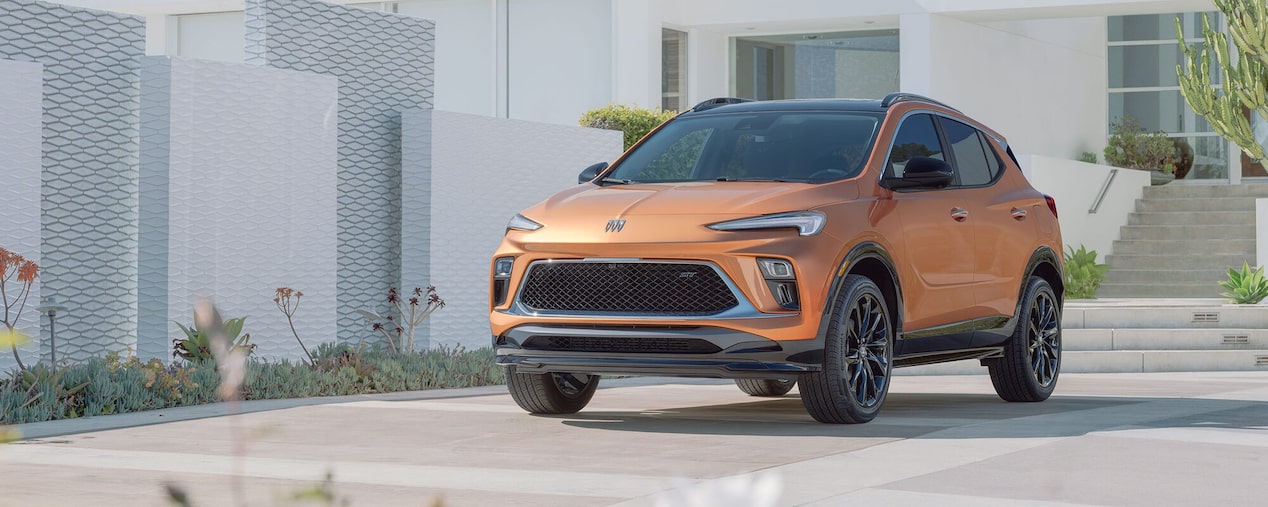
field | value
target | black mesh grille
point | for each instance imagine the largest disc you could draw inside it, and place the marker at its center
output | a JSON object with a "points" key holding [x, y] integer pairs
{"points": [[623, 344], [625, 287]]}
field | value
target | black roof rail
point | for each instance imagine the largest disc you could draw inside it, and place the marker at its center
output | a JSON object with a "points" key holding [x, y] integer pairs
{"points": [[720, 101], [892, 98]]}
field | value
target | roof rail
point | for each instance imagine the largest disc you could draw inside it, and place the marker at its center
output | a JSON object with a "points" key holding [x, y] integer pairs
{"points": [[720, 101], [893, 98]]}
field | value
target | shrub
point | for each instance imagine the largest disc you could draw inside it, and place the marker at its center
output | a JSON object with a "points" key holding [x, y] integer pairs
{"points": [[1088, 157], [1131, 147], [634, 122], [196, 346], [1245, 287], [400, 323], [114, 385], [1082, 274], [22, 272]]}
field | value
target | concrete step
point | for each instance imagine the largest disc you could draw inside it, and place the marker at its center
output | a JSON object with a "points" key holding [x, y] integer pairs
{"points": [[1165, 276], [1195, 247], [1123, 361], [1195, 204], [1164, 339], [1173, 262], [1153, 290], [1183, 190], [1179, 232], [1192, 218], [1162, 314]]}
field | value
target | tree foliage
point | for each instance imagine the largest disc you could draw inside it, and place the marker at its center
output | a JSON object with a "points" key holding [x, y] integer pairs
{"points": [[1245, 84]]}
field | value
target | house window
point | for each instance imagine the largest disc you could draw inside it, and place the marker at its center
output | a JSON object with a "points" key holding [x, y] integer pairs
{"points": [[673, 69], [1143, 55], [862, 65]]}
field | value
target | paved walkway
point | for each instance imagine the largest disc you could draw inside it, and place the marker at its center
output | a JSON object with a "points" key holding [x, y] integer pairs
{"points": [[1108, 439]]}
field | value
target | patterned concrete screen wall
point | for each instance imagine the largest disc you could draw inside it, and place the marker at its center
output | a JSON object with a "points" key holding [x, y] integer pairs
{"points": [[482, 171], [20, 118], [238, 178], [384, 65], [89, 224]]}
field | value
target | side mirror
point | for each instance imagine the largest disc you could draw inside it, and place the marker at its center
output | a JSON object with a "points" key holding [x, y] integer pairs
{"points": [[590, 173], [922, 172]]}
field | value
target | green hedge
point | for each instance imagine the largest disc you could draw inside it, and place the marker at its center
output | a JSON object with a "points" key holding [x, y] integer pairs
{"points": [[635, 122], [114, 386]]}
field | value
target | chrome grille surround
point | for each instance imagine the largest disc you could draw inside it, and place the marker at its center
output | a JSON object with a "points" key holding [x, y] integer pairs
{"points": [[739, 306]]}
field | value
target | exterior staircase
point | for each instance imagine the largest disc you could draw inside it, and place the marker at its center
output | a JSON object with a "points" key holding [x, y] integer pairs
{"points": [[1150, 335], [1182, 239]]}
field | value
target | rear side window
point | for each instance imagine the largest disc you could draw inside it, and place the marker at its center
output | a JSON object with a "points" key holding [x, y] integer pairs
{"points": [[916, 137], [973, 164]]}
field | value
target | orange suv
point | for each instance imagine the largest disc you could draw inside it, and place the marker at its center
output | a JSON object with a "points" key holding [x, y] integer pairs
{"points": [[811, 242]]}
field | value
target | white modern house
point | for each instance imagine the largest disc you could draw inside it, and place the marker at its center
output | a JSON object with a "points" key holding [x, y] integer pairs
{"points": [[1050, 74]]}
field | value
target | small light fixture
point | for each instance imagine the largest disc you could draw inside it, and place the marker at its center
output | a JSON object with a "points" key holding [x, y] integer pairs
{"points": [[51, 307]]}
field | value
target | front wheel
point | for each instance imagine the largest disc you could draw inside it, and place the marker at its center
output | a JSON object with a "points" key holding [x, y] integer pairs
{"points": [[1032, 357], [551, 393], [858, 357]]}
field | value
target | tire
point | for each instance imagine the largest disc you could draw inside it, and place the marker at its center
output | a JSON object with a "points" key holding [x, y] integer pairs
{"points": [[1032, 357], [765, 387], [551, 393], [858, 357]]}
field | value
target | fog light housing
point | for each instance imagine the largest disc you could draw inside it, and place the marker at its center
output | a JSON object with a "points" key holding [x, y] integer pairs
{"points": [[502, 268], [782, 281]]}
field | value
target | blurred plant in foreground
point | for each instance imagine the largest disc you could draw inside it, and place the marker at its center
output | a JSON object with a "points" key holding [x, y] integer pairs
{"points": [[19, 269]]}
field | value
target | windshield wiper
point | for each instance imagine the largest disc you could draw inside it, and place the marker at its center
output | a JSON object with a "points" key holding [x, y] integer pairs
{"points": [[618, 181]]}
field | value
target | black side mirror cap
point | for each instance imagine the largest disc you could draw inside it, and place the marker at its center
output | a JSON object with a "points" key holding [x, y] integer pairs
{"points": [[590, 173], [922, 172]]}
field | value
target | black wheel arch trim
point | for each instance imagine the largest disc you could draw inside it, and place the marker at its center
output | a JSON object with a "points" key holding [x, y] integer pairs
{"points": [[1042, 255], [863, 251]]}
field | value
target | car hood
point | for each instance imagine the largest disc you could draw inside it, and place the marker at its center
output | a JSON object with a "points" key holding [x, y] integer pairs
{"points": [[672, 211]]}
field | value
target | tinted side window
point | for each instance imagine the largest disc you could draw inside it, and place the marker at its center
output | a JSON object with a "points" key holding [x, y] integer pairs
{"points": [[971, 162], [916, 137]]}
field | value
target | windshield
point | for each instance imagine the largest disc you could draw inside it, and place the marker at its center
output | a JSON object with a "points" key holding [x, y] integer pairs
{"points": [[811, 147]]}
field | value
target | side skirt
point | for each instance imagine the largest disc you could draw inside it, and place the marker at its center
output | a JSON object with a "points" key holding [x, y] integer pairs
{"points": [[945, 357]]}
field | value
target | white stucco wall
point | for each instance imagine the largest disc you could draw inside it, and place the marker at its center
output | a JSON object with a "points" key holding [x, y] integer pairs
{"points": [[238, 181], [1040, 83], [560, 58], [1075, 186], [21, 117], [466, 53], [482, 171]]}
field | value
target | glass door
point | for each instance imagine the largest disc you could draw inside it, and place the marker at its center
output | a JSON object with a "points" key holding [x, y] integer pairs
{"points": [[861, 65]]}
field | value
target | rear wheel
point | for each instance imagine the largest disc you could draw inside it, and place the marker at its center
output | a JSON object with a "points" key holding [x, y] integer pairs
{"points": [[858, 358], [551, 393], [1032, 357], [765, 387]]}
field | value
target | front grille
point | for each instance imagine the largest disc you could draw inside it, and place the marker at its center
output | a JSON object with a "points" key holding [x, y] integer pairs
{"points": [[621, 344], [627, 287]]}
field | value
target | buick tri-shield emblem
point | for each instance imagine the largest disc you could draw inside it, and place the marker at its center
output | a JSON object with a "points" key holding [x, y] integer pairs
{"points": [[614, 225]]}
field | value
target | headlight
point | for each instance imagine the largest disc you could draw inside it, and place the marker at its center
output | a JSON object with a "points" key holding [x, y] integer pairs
{"points": [[808, 223], [519, 223]]}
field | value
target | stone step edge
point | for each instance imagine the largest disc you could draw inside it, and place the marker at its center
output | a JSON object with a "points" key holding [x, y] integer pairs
{"points": [[1122, 361]]}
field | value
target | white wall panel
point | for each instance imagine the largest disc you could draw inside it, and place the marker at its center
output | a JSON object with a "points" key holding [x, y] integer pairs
{"points": [[1075, 185], [248, 163], [482, 171], [20, 120]]}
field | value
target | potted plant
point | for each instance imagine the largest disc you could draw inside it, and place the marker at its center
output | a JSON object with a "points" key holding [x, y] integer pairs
{"points": [[1131, 147]]}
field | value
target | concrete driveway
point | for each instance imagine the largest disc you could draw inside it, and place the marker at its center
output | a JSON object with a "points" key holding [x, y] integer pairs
{"points": [[1104, 439]]}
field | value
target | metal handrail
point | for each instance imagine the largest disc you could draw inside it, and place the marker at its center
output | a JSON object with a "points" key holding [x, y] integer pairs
{"points": [[1096, 205]]}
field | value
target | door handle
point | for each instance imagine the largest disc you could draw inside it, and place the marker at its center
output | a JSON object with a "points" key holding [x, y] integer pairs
{"points": [[959, 214], [1019, 214]]}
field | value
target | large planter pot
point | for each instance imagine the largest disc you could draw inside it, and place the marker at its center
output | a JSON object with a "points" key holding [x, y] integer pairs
{"points": [[1160, 178]]}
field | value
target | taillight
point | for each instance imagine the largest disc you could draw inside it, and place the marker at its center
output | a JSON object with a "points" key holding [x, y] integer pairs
{"points": [[1052, 204]]}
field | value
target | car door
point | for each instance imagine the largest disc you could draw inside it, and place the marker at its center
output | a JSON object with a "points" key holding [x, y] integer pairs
{"points": [[937, 262], [1000, 213]]}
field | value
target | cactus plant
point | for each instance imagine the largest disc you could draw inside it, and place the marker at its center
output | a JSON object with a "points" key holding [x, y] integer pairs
{"points": [[1245, 86]]}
